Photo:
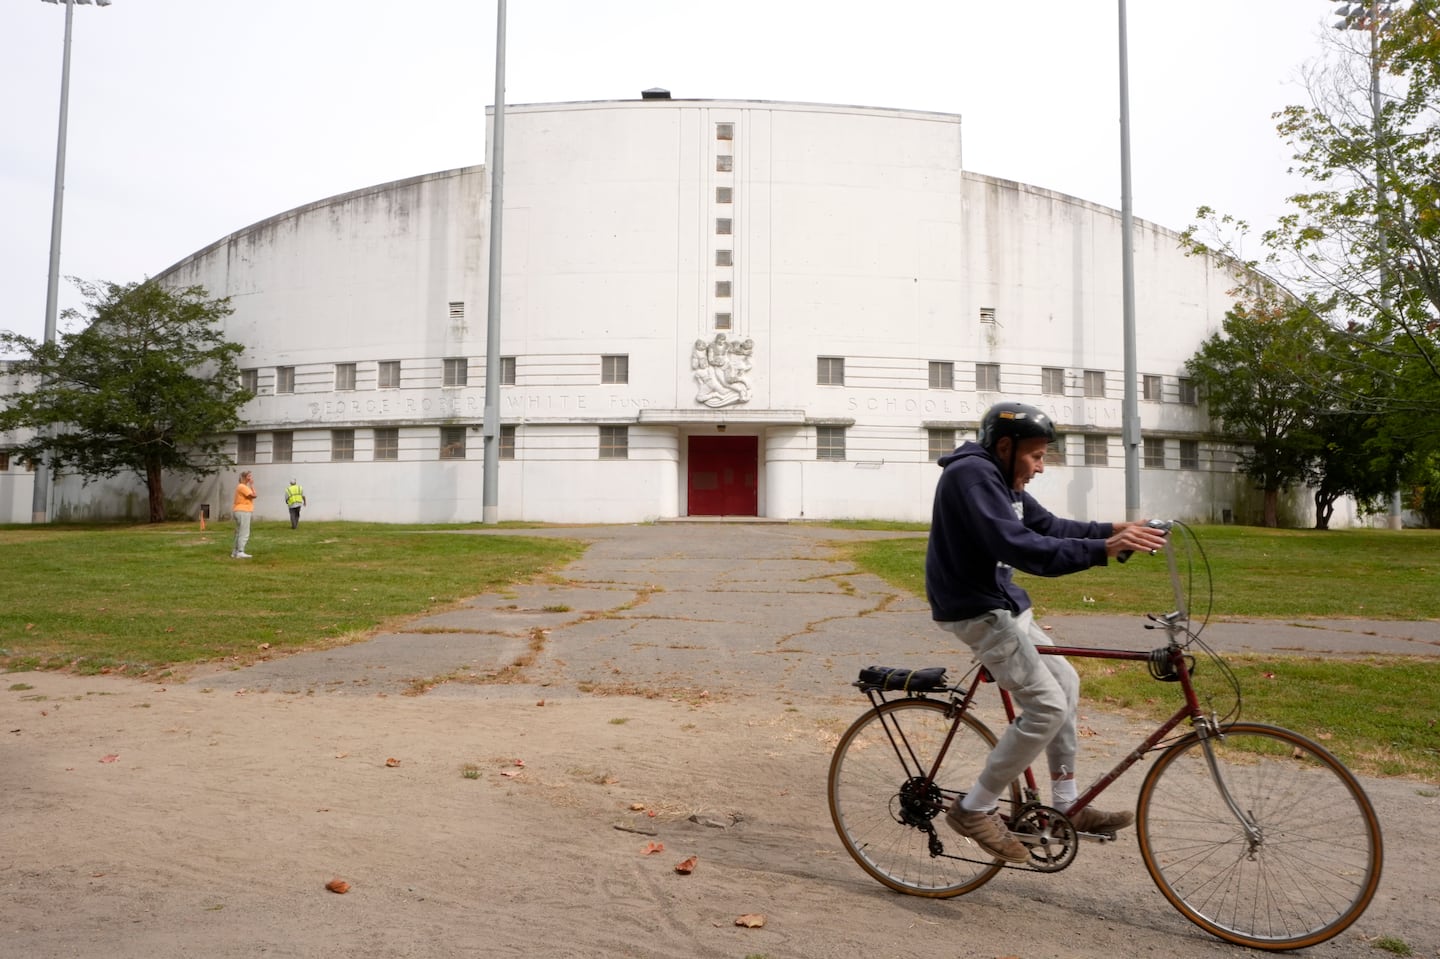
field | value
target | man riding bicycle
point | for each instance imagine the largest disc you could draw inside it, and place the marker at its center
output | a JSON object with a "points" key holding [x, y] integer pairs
{"points": [[984, 525]]}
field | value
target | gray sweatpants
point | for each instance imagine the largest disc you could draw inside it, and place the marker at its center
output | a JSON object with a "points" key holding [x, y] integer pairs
{"points": [[242, 531], [1045, 688]]}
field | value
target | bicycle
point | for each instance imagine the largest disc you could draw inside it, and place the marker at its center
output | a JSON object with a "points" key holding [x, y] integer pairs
{"points": [[1253, 832]]}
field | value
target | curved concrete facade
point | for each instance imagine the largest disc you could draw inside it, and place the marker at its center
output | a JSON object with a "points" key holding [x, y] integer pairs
{"points": [[708, 307]]}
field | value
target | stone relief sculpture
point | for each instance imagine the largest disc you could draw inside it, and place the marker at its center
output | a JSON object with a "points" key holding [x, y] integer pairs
{"points": [[721, 369]]}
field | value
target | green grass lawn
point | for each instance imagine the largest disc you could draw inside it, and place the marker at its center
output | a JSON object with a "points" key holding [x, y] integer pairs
{"points": [[1377, 714], [138, 599]]}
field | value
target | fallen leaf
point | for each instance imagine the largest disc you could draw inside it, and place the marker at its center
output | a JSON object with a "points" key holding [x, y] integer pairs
{"points": [[509, 773], [392, 761], [110, 758], [264, 645], [650, 813], [1085, 732], [654, 847], [519, 762], [636, 806], [750, 920], [338, 885], [540, 703], [686, 866], [341, 755]]}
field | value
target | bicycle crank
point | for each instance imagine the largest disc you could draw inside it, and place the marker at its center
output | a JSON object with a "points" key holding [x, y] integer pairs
{"points": [[1050, 837]]}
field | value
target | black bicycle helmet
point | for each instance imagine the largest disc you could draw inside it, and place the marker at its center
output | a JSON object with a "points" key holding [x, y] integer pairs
{"points": [[1016, 420]]}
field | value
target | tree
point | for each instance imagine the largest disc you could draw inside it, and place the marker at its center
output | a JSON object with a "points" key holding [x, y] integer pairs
{"points": [[1255, 378], [147, 386]]}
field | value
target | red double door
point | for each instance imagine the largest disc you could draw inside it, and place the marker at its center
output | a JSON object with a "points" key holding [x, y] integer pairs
{"points": [[722, 477]]}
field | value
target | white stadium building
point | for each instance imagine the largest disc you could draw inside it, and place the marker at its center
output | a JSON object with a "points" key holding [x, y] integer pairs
{"points": [[708, 307]]}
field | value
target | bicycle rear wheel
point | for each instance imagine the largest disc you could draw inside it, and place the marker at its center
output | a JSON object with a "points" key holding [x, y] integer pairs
{"points": [[885, 805], [1304, 869]]}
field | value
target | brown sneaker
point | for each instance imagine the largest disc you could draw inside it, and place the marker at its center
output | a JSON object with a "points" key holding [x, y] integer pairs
{"points": [[1091, 819], [988, 831]]}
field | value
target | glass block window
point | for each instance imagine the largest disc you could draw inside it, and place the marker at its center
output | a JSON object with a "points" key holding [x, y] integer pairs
{"points": [[1189, 393], [1095, 383], [1097, 451], [452, 442], [1055, 452], [1152, 389], [829, 442], [507, 442], [284, 379], [1189, 454], [724, 131], [723, 321], [1052, 381], [282, 447], [507, 371], [723, 226], [615, 369], [457, 372], [722, 288], [250, 380], [724, 194], [245, 448], [942, 375], [987, 377], [614, 442], [342, 445], [940, 442], [344, 376], [387, 375], [830, 371], [724, 258], [1154, 452], [387, 443], [724, 163]]}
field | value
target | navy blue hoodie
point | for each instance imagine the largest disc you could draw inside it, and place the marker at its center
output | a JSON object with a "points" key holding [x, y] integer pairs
{"points": [[981, 528]]}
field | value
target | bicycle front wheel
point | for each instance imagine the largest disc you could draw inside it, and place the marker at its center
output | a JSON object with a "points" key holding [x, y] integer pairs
{"points": [[885, 802], [1291, 862]]}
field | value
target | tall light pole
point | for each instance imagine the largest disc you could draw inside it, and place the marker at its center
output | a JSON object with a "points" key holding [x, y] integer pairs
{"points": [[40, 501], [1130, 412], [490, 485], [1369, 16]]}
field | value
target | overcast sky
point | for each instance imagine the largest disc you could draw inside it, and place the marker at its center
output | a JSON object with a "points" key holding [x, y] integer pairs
{"points": [[191, 119]]}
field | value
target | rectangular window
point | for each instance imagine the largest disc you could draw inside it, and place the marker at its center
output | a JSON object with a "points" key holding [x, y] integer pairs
{"points": [[1052, 381], [615, 369], [942, 375], [1189, 454], [1153, 389], [4, 460], [387, 443], [452, 442], [941, 442], [457, 372], [614, 442], [722, 288], [722, 225], [245, 448], [507, 371], [1189, 393], [987, 314], [387, 375], [1154, 453], [344, 376], [724, 257], [342, 445], [1095, 383], [284, 379], [830, 371], [724, 163], [1055, 452], [723, 321], [282, 447], [507, 442], [250, 380], [724, 131], [987, 377], [829, 442], [1097, 451], [724, 194]]}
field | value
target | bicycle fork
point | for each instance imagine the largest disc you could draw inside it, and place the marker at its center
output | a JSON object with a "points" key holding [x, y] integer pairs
{"points": [[1207, 732]]}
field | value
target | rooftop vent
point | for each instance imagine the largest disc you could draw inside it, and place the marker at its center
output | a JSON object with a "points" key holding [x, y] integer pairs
{"points": [[655, 93]]}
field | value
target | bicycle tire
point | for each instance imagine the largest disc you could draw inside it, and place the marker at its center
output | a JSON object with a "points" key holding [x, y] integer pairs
{"points": [[865, 784], [1316, 862]]}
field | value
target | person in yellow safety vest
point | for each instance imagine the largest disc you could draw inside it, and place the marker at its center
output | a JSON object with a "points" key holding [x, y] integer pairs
{"points": [[294, 498]]}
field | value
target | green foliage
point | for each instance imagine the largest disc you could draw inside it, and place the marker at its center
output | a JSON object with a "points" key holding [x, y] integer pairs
{"points": [[147, 385], [141, 598]]}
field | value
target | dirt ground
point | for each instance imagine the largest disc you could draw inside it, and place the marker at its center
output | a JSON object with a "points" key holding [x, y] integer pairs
{"points": [[144, 821]]}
